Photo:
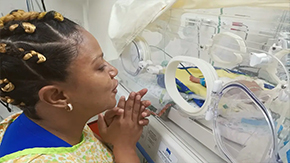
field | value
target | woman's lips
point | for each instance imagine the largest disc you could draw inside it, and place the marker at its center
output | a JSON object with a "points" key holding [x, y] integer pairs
{"points": [[115, 88]]}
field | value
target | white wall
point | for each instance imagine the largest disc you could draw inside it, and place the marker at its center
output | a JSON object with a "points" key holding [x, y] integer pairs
{"points": [[98, 20], [7, 5], [70, 9]]}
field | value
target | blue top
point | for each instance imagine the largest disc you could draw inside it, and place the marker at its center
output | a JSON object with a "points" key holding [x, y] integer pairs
{"points": [[24, 133]]}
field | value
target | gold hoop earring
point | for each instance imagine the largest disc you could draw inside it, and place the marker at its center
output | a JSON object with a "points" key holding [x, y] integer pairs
{"points": [[69, 107]]}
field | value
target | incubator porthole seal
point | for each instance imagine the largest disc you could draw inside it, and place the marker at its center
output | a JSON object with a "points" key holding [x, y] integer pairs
{"points": [[135, 52]]}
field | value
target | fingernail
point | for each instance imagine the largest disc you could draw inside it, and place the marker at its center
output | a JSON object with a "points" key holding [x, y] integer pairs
{"points": [[144, 114], [140, 122], [132, 95], [142, 107]]}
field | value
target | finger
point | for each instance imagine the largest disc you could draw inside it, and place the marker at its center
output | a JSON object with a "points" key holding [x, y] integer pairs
{"points": [[146, 103], [141, 110], [145, 113], [142, 92], [143, 122], [109, 115], [102, 124], [129, 105], [120, 111], [121, 103], [136, 109], [112, 112]]}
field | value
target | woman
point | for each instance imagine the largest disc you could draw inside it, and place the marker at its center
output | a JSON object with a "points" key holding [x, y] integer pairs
{"points": [[55, 72]]}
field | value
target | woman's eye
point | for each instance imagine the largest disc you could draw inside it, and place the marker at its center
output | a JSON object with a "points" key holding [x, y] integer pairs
{"points": [[102, 68]]}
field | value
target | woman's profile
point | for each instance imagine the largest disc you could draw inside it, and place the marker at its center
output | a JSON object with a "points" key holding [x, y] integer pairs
{"points": [[54, 70]]}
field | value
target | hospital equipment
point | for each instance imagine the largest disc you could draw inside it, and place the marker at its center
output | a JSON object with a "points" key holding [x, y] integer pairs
{"points": [[238, 50], [159, 44]]}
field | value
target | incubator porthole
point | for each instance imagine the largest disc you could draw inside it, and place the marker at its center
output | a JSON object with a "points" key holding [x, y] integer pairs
{"points": [[191, 84], [242, 125], [130, 59], [133, 54], [227, 50]]}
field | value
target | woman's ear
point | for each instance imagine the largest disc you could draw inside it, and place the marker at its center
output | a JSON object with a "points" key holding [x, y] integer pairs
{"points": [[53, 95]]}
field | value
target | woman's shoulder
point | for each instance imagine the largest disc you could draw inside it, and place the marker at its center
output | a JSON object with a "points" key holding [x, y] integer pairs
{"points": [[5, 123], [10, 118], [89, 149]]}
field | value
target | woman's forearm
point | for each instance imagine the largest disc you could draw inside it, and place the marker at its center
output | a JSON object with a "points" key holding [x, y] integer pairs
{"points": [[125, 155]]}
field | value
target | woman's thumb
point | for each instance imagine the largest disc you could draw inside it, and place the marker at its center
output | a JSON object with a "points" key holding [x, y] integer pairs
{"points": [[101, 123]]}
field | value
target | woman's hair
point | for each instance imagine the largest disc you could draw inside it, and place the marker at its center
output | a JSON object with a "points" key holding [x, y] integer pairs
{"points": [[35, 50]]}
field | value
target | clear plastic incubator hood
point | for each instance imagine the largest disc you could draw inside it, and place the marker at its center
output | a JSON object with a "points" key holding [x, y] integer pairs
{"points": [[221, 64]]}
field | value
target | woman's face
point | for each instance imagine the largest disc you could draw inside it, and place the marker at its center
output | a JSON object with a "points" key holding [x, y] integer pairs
{"points": [[91, 87]]}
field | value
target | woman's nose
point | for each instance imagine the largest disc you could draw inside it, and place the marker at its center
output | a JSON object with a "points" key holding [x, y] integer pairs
{"points": [[113, 71]]}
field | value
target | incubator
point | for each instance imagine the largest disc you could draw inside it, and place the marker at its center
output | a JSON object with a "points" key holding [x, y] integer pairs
{"points": [[219, 72]]}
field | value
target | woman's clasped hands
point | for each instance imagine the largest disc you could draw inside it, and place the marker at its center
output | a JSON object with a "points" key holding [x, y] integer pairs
{"points": [[123, 125]]}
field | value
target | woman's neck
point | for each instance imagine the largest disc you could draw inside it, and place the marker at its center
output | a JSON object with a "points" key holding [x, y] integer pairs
{"points": [[65, 125]]}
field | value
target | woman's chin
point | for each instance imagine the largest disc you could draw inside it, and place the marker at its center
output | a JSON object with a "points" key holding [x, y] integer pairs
{"points": [[112, 104]]}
